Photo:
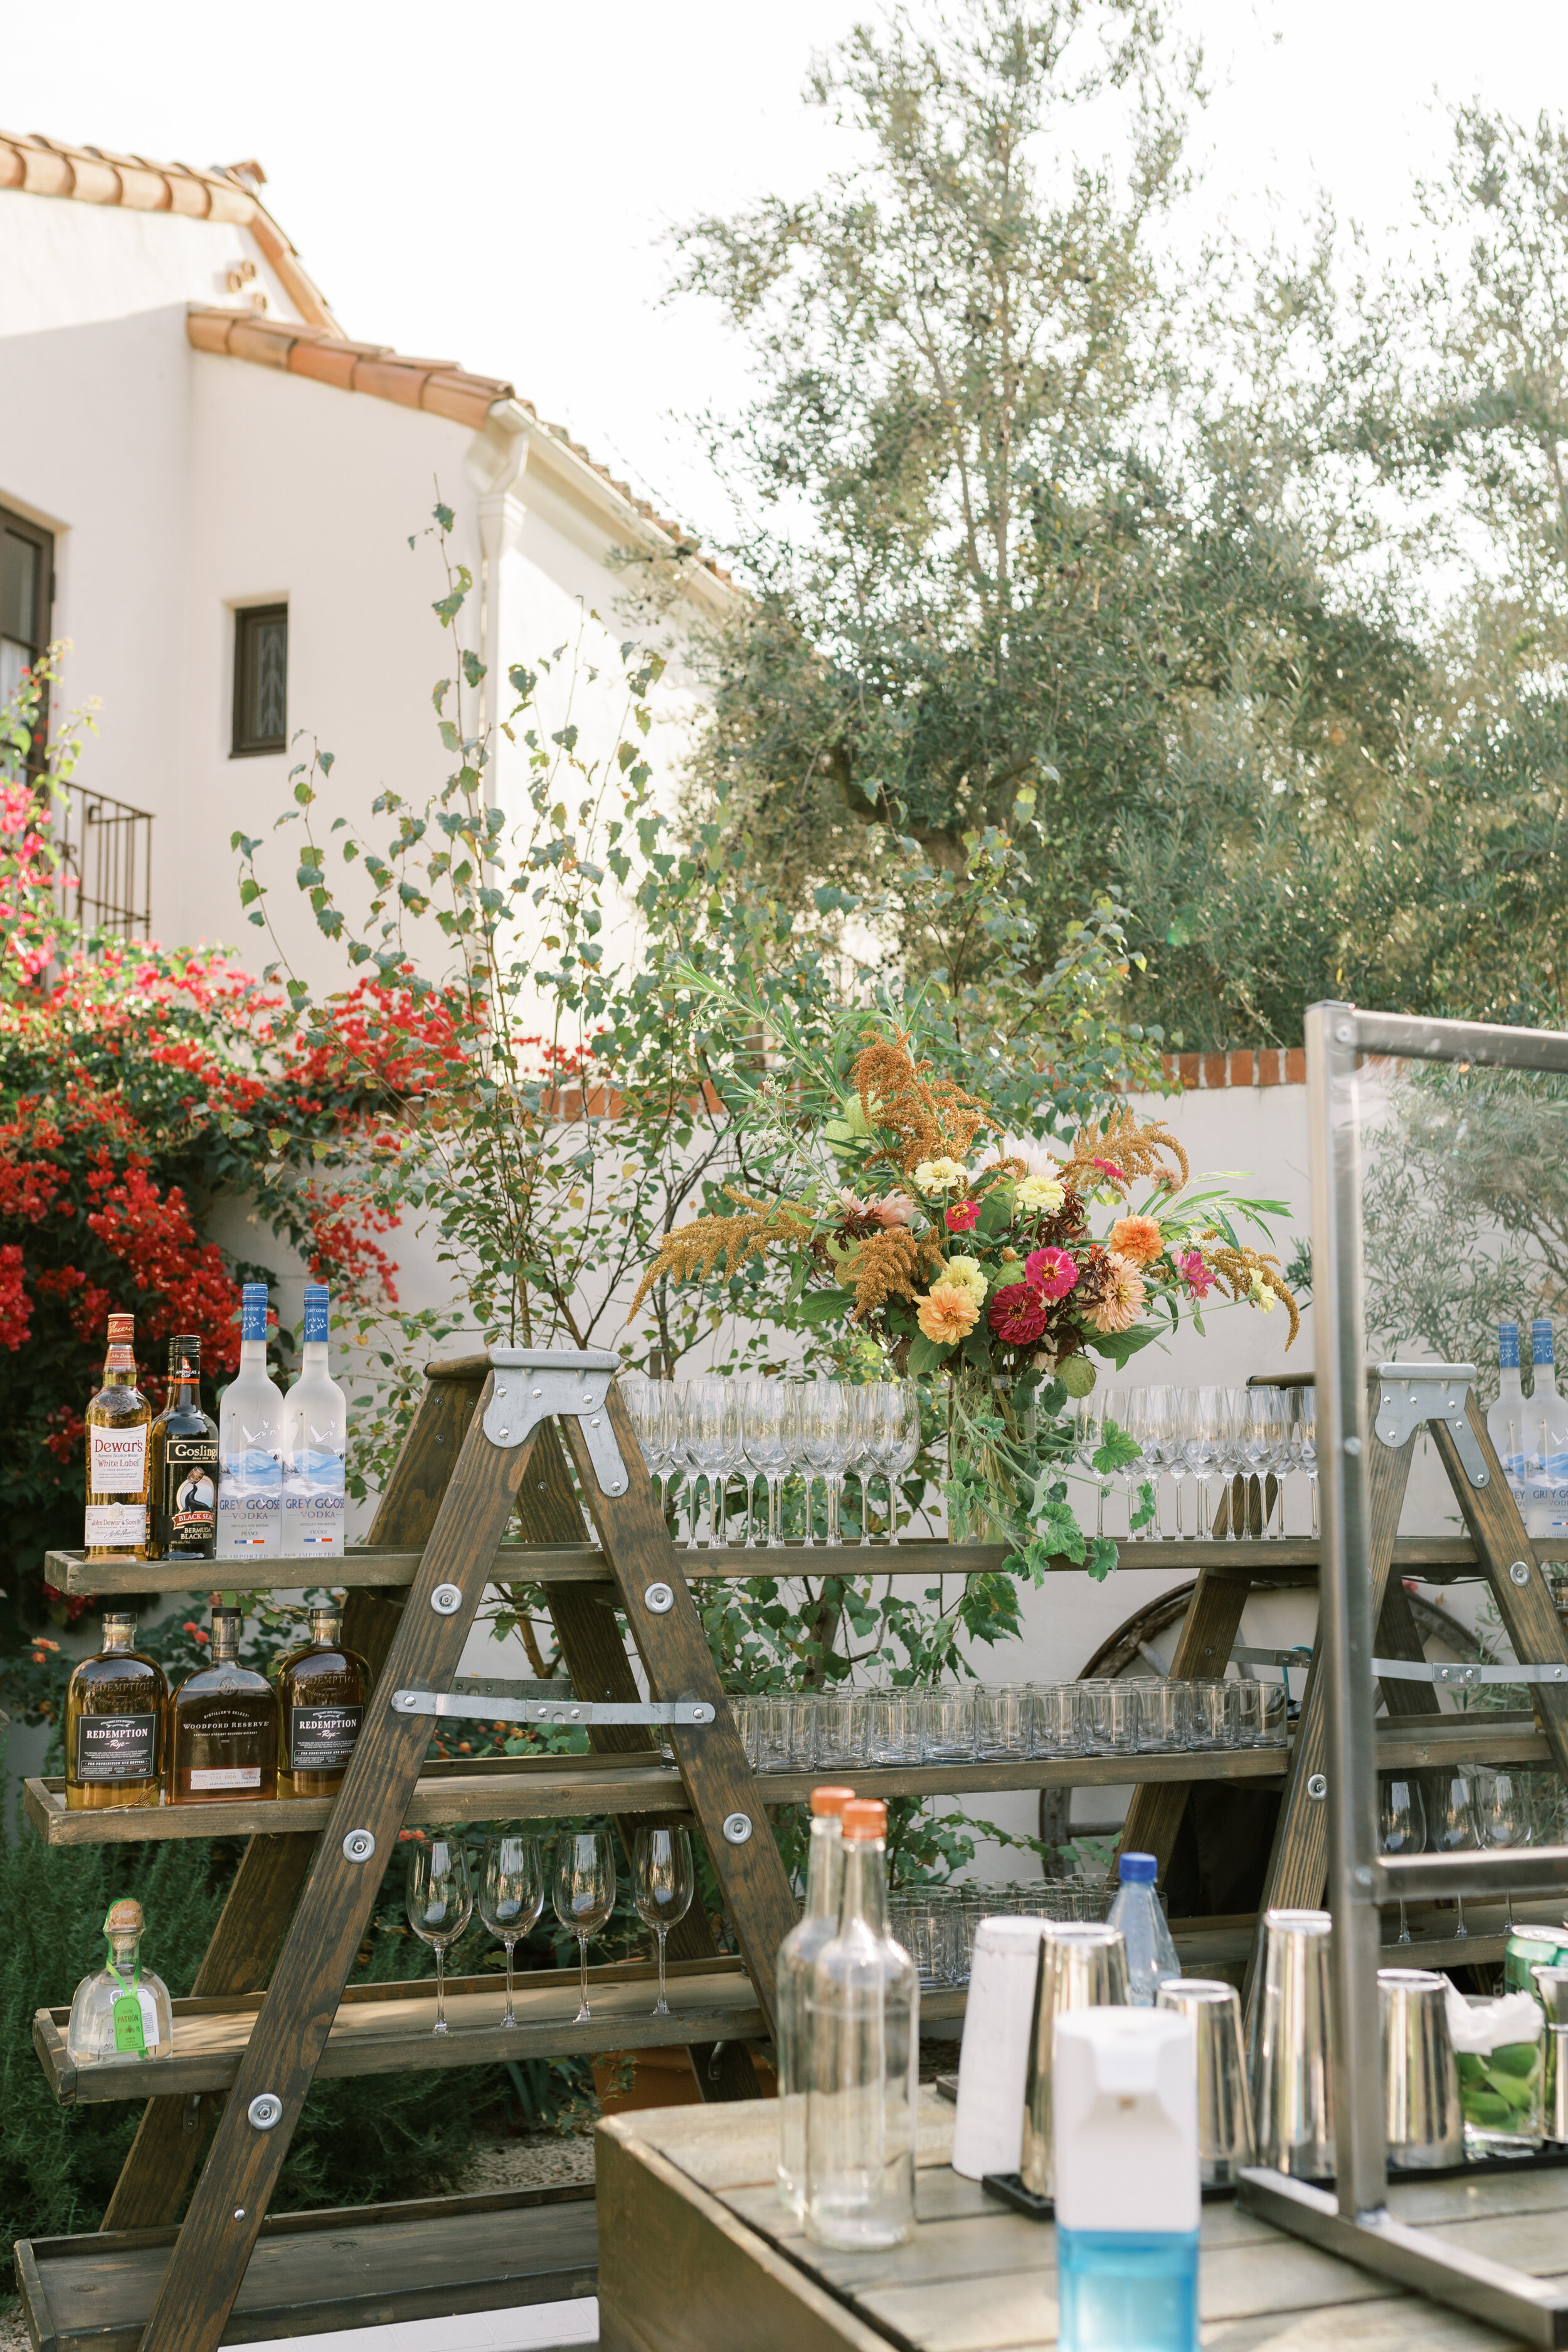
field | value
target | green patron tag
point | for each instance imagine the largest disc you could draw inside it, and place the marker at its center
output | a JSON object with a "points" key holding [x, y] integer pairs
{"points": [[128, 2034]]}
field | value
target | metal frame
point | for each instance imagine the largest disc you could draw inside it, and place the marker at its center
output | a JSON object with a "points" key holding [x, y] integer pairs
{"points": [[1355, 2222]]}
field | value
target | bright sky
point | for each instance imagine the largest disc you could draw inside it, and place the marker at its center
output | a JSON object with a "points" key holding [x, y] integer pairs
{"points": [[499, 196]]}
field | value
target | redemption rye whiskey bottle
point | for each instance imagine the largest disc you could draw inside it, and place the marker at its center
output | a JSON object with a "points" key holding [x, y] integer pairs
{"points": [[117, 1706], [320, 1690], [185, 1463], [118, 1468], [223, 1726]]}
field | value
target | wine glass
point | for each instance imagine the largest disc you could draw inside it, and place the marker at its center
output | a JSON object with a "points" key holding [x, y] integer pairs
{"points": [[710, 1417], [662, 1883], [1136, 1423], [585, 1893], [1400, 1826], [1202, 1442], [1304, 1439], [439, 1903], [649, 1404], [1454, 1829], [1502, 1816], [511, 1896], [1164, 1406], [1262, 1442], [1088, 1436], [827, 1442], [895, 1438], [767, 1441]]}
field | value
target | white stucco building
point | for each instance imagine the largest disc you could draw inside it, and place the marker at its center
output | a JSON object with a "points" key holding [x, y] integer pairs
{"points": [[209, 489]]}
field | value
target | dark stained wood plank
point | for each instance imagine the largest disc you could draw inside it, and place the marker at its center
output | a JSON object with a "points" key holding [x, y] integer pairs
{"points": [[1201, 1654], [231, 2197], [1398, 1636]]}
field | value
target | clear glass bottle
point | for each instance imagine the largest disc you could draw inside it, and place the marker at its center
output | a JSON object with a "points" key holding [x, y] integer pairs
{"points": [[1151, 1954], [124, 2011], [117, 1707], [797, 1958], [315, 1444], [863, 2022], [250, 1445], [321, 1697], [118, 1468], [1546, 1449], [185, 1463], [223, 1726], [1505, 1419]]}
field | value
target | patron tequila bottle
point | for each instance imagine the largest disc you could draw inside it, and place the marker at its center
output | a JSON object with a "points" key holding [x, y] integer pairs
{"points": [[315, 1439], [117, 1706], [185, 1463], [124, 2011], [250, 1444], [320, 1691], [223, 1726], [117, 1461]]}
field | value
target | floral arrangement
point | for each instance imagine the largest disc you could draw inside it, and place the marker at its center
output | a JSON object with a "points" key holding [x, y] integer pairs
{"points": [[973, 1258]]}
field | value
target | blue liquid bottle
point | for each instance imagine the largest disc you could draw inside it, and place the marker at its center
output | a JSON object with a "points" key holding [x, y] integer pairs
{"points": [[1125, 2099]]}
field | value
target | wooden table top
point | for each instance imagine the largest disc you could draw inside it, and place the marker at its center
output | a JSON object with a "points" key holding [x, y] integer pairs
{"points": [[692, 2237]]}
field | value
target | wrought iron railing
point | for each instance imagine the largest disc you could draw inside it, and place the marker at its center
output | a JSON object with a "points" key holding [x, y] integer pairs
{"points": [[106, 865]]}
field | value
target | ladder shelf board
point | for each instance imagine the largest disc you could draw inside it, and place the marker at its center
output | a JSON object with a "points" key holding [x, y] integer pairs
{"points": [[353, 2266]]}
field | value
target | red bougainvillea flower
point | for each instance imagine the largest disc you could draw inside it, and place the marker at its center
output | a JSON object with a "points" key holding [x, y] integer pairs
{"points": [[961, 1217], [1050, 1273], [1018, 1314], [1197, 1276]]}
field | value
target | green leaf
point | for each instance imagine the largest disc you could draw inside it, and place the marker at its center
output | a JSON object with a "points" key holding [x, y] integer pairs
{"points": [[1122, 1346], [816, 1306], [927, 1355]]}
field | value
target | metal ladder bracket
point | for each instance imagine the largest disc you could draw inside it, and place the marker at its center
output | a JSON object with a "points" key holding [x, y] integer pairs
{"points": [[1408, 1394], [566, 1711], [533, 1384]]}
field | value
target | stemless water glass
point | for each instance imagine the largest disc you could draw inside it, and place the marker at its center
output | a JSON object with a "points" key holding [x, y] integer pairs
{"points": [[1274, 1713], [511, 1896], [892, 1735], [1000, 1719], [947, 1725], [1212, 1717], [1401, 1825], [662, 1884], [1056, 1722], [585, 1893], [439, 1903], [1162, 1717], [1109, 1715]]}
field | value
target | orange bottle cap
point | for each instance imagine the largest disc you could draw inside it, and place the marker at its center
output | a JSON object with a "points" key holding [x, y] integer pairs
{"points": [[866, 1817], [830, 1800]]}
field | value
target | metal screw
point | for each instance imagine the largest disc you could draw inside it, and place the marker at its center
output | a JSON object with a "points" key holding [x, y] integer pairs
{"points": [[660, 1598], [1318, 1786], [1519, 1571], [506, 1432], [265, 2110], [1363, 1876], [447, 1599], [1352, 1446], [360, 1844], [1346, 1034], [701, 1713], [737, 1828], [595, 1422], [239, 2212], [539, 1392]]}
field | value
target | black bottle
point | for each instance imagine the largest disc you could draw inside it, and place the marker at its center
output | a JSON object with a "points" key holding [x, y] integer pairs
{"points": [[184, 1464]]}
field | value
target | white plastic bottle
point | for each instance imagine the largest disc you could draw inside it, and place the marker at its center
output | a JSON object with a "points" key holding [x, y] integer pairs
{"points": [[1505, 1420], [1151, 1954], [315, 1442], [1124, 2095], [797, 1958], [1546, 1448], [250, 1445]]}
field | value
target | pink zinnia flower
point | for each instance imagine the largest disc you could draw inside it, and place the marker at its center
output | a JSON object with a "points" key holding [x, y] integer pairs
{"points": [[1197, 1276], [1050, 1273], [1018, 1314], [961, 1217], [1109, 1168]]}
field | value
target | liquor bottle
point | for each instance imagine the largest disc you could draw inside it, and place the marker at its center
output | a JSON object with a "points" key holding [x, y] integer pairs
{"points": [[223, 1726], [797, 1958], [185, 1463], [117, 1706], [1546, 1446], [1505, 1420], [117, 1420], [863, 2019], [124, 2011], [250, 1445], [320, 1693], [315, 1441]]}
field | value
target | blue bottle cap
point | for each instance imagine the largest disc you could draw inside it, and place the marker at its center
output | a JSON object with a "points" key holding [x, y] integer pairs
{"points": [[1507, 1345], [315, 1313], [1540, 1340], [253, 1310], [1137, 1869]]}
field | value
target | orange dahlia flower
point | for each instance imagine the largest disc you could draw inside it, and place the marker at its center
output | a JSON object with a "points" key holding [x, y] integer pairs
{"points": [[948, 1313], [1138, 1238]]}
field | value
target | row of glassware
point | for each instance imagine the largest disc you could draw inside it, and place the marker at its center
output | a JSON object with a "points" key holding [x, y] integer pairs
{"points": [[809, 1731], [936, 1924], [1204, 1435]]}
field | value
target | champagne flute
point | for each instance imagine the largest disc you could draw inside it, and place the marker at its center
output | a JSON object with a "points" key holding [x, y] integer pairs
{"points": [[511, 1896], [1202, 1442], [897, 1440], [766, 1436], [1455, 1829], [439, 1903], [1502, 1816], [1304, 1421], [827, 1442], [662, 1884], [1400, 1826], [711, 1418], [1088, 1436], [585, 1893]]}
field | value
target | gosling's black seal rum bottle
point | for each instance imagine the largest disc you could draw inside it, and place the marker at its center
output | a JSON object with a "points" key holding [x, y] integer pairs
{"points": [[117, 1466], [320, 1690], [223, 1726], [117, 1707], [185, 1463]]}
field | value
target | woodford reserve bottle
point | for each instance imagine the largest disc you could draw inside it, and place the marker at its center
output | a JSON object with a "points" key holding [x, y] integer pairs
{"points": [[116, 1723], [185, 1463], [223, 1726], [118, 1468], [320, 1690]]}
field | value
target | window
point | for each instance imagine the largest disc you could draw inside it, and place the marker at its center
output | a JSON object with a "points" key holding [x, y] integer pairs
{"points": [[27, 591], [260, 679]]}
